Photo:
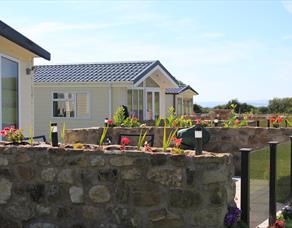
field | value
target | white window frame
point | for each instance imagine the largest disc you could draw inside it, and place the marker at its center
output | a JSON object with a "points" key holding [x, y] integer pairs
{"points": [[75, 104], [130, 111], [153, 90], [18, 87]]}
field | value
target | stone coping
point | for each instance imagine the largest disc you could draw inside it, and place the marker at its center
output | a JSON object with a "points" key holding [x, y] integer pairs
{"points": [[102, 150]]}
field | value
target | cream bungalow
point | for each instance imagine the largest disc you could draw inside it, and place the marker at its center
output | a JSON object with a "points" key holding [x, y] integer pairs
{"points": [[181, 98], [16, 70], [82, 95]]}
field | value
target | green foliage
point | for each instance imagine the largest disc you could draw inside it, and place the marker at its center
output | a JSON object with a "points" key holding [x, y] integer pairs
{"points": [[171, 117], [263, 110], [180, 83], [119, 116], [63, 132], [167, 139], [239, 107], [280, 105], [104, 131], [50, 132], [288, 223], [14, 135], [233, 117], [177, 150], [197, 108], [142, 139], [30, 138], [131, 122], [183, 122], [158, 121]]}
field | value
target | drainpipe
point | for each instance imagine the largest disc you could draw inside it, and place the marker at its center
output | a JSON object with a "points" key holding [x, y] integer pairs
{"points": [[174, 102], [110, 100]]}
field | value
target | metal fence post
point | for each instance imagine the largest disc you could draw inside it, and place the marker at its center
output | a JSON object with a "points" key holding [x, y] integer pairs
{"points": [[258, 123], [272, 200], [245, 186], [268, 123]]}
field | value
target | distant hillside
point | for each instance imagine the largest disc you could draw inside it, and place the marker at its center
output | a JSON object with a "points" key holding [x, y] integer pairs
{"points": [[211, 104]]}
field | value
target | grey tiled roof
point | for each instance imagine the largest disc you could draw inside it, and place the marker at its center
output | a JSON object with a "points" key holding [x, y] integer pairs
{"points": [[179, 90], [96, 72]]}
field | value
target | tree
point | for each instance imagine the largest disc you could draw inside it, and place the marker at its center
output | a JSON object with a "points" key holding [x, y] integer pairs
{"points": [[280, 105], [240, 107], [263, 110], [197, 108]]}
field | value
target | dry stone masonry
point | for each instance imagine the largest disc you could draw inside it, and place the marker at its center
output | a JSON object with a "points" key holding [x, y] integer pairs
{"points": [[58, 188]]}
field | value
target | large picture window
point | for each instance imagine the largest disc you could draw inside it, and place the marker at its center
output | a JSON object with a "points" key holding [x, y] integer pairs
{"points": [[9, 81], [70, 105], [135, 103]]}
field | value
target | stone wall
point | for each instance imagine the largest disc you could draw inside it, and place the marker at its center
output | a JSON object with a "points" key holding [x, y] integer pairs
{"points": [[226, 140], [53, 187]]}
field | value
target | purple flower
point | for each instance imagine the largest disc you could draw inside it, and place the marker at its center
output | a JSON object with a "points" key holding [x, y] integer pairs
{"points": [[232, 216]]}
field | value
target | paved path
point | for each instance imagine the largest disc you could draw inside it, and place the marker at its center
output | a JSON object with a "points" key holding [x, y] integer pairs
{"points": [[259, 202]]}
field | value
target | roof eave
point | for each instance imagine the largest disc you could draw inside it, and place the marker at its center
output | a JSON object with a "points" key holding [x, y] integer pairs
{"points": [[151, 67], [19, 39]]}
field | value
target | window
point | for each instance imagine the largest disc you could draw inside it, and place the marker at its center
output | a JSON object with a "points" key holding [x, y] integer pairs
{"points": [[9, 90], [70, 105], [179, 106], [151, 83], [135, 103], [188, 106]]}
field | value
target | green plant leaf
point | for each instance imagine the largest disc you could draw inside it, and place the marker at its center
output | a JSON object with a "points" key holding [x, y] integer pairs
{"points": [[104, 131]]}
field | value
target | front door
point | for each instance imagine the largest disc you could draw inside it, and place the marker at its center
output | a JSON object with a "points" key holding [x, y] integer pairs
{"points": [[153, 104]]}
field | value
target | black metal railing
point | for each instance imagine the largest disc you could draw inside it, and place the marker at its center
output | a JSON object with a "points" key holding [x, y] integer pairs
{"points": [[273, 182]]}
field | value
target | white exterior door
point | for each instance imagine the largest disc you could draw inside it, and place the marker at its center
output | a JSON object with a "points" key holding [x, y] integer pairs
{"points": [[152, 104]]}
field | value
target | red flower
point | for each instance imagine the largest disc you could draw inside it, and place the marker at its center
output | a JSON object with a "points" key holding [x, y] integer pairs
{"points": [[177, 142], [272, 119], [110, 122], [198, 121], [237, 121], [279, 119], [125, 141], [279, 224], [3, 133], [6, 129]]}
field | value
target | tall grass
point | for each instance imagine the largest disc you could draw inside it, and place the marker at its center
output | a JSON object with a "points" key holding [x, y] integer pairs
{"points": [[167, 139]]}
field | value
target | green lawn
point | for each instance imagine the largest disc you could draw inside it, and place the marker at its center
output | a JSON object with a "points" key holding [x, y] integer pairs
{"points": [[259, 168]]}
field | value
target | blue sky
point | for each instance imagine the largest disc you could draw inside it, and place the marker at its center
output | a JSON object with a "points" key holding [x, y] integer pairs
{"points": [[223, 49]]}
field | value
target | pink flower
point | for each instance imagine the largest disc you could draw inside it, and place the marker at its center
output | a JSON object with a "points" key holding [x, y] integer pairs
{"points": [[237, 121], [125, 141], [6, 129], [3, 133], [110, 122], [198, 121]]}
